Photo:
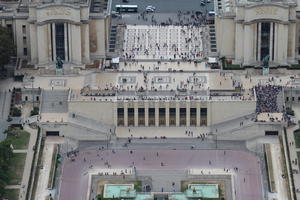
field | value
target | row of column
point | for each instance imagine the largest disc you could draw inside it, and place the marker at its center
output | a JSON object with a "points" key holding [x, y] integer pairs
{"points": [[248, 42], [123, 119], [43, 43]]}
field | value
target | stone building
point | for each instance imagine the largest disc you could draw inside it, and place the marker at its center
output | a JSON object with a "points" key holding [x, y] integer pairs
{"points": [[247, 31], [75, 31]]}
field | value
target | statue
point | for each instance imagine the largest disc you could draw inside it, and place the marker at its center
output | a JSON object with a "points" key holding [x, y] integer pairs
{"points": [[59, 63], [265, 61], [266, 68]]}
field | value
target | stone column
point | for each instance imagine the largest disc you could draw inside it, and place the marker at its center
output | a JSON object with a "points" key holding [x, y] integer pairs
{"points": [[198, 117], [70, 43], [42, 38], [33, 43], [275, 59], [248, 44], [136, 112], [177, 113], [271, 41], [292, 42], [167, 113], [86, 43], [209, 121], [54, 41], [156, 113], [115, 113], [239, 44], [66, 42], [125, 113], [49, 43], [282, 43], [146, 113], [76, 44], [188, 113], [259, 42]]}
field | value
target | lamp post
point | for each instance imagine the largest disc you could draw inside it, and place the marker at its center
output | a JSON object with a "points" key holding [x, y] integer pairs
{"points": [[32, 80], [216, 141]]}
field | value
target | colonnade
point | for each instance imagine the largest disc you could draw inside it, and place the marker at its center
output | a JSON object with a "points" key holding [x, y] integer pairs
{"points": [[161, 114]]}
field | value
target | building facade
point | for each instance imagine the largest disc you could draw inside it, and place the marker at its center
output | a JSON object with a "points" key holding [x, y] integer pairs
{"points": [[76, 32], [248, 31]]}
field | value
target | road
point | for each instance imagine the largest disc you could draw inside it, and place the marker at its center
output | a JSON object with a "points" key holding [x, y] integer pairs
{"points": [[167, 6]]}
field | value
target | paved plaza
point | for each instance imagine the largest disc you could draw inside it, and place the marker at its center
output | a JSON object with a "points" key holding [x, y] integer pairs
{"points": [[165, 42], [246, 175]]}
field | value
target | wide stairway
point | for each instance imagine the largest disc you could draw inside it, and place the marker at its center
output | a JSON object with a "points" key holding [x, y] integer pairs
{"points": [[54, 101]]}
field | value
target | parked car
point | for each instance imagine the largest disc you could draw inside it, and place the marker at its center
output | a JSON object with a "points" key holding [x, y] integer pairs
{"points": [[150, 8]]}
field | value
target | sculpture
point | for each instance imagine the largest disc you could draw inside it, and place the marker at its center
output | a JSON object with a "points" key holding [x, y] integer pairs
{"points": [[59, 63], [265, 61]]}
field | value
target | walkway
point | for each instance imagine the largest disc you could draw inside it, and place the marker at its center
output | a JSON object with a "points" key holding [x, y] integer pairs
{"points": [[42, 188], [28, 162]]}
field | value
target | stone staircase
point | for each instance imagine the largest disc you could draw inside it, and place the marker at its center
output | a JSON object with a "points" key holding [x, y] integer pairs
{"points": [[212, 37], [96, 126], [55, 101]]}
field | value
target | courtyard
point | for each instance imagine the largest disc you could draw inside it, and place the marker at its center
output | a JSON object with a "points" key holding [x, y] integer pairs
{"points": [[164, 170]]}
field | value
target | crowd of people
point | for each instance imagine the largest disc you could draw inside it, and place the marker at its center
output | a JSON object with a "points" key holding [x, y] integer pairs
{"points": [[267, 98], [167, 42]]}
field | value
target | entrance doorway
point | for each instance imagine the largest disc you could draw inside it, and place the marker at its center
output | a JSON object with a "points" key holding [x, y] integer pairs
{"points": [[52, 133]]}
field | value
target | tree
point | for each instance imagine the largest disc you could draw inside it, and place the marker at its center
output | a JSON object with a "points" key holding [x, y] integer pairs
{"points": [[16, 112], [7, 48], [5, 160]]}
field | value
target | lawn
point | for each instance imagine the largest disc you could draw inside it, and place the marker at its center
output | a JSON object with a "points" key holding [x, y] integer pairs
{"points": [[297, 138], [18, 138], [16, 168], [12, 194]]}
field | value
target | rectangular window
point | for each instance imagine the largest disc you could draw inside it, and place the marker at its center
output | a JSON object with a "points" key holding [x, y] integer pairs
{"points": [[24, 29], [271, 133], [141, 116], [193, 116], [25, 51], [203, 114], [60, 40], [182, 116], [172, 118], [24, 41], [130, 116], [162, 116], [151, 117], [120, 116]]}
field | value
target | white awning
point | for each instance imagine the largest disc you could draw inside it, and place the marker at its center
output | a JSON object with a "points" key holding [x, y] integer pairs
{"points": [[115, 60], [212, 60]]}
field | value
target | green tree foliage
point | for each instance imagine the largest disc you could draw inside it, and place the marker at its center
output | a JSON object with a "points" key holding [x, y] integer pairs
{"points": [[7, 48], [35, 111], [16, 112], [5, 160]]}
